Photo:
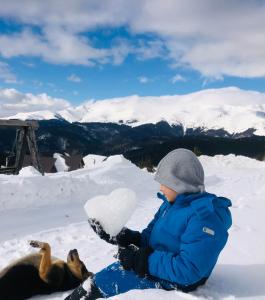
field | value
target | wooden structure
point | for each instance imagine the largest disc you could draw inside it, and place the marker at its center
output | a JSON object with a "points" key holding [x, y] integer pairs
{"points": [[25, 136]]}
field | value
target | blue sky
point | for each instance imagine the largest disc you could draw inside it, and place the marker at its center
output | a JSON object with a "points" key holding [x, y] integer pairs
{"points": [[84, 49]]}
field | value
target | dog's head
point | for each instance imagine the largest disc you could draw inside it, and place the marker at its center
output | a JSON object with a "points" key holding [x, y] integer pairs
{"points": [[76, 266]]}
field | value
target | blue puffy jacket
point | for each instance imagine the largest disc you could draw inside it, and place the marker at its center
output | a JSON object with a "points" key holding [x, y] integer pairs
{"points": [[187, 237]]}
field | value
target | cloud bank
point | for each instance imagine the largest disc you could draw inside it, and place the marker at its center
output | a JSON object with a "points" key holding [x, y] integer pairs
{"points": [[216, 38], [13, 102]]}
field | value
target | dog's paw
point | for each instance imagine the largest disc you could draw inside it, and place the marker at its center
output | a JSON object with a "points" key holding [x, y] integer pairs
{"points": [[37, 244]]}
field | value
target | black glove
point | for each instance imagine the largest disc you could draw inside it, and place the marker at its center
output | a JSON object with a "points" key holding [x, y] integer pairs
{"points": [[136, 259], [97, 227], [125, 238], [128, 237]]}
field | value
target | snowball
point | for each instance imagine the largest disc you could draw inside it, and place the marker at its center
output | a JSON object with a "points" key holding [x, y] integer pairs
{"points": [[113, 210]]}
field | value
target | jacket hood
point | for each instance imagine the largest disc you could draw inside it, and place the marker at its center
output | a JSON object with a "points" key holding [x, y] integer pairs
{"points": [[221, 205]]}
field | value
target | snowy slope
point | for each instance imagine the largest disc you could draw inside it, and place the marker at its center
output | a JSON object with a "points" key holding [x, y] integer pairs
{"points": [[50, 208], [230, 108]]}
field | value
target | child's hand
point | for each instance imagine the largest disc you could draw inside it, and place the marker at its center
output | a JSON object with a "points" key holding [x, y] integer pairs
{"points": [[125, 238], [99, 230]]}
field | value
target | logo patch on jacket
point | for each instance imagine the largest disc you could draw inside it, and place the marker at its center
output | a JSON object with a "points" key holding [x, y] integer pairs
{"points": [[208, 230]]}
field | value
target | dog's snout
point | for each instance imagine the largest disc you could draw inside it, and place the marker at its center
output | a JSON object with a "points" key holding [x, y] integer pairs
{"points": [[73, 254]]}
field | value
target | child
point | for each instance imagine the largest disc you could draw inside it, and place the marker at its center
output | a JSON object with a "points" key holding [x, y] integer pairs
{"points": [[180, 246]]}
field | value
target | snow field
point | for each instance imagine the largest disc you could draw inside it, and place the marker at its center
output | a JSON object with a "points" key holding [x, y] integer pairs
{"points": [[50, 208]]}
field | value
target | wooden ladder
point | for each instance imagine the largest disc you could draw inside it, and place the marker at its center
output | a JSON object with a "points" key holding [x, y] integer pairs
{"points": [[25, 137]]}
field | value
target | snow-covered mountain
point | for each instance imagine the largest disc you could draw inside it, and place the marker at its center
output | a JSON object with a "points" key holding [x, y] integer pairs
{"points": [[231, 109], [50, 208]]}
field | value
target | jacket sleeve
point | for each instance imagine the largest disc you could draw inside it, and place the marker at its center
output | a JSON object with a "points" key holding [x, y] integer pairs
{"points": [[199, 250], [146, 233]]}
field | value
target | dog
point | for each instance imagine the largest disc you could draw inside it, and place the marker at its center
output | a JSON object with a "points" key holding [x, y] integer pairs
{"points": [[40, 273]]}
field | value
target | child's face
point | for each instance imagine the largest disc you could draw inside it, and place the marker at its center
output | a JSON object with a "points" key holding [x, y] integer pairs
{"points": [[170, 194]]}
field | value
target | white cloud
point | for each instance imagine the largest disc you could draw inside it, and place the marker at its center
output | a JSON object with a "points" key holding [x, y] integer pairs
{"points": [[54, 45], [76, 15], [13, 102], [58, 46], [215, 37], [177, 78], [151, 49], [119, 51], [74, 78], [6, 74], [61, 38], [143, 79]]}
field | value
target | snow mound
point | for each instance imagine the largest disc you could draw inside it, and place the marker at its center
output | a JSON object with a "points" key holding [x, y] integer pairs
{"points": [[60, 164], [29, 171], [92, 161], [115, 159], [74, 187], [238, 161], [112, 211]]}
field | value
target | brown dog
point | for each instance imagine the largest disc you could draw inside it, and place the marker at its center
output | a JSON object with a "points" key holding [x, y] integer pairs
{"points": [[40, 273]]}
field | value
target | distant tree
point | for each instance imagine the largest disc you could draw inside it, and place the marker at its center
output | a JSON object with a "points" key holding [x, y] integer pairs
{"points": [[146, 163], [197, 151], [260, 156]]}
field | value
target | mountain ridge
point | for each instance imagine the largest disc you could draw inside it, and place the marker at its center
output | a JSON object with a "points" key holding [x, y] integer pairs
{"points": [[144, 145], [219, 109]]}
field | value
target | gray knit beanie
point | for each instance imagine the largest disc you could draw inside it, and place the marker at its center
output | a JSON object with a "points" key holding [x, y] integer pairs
{"points": [[181, 171]]}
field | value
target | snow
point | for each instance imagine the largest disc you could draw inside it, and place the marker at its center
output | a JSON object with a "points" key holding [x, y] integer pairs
{"points": [[112, 211], [50, 208], [92, 161], [60, 164], [87, 285], [29, 171], [230, 108], [36, 115]]}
